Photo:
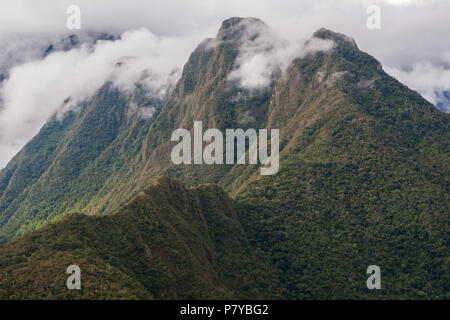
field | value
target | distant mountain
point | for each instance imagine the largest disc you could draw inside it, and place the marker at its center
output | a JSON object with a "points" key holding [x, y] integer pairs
{"points": [[363, 177], [74, 41], [31, 49]]}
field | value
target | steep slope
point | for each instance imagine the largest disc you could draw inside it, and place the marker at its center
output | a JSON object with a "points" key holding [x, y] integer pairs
{"points": [[364, 169], [169, 242], [364, 180], [129, 153], [63, 167]]}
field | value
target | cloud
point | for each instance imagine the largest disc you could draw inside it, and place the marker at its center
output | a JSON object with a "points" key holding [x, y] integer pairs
{"points": [[36, 90], [409, 2], [432, 81]]}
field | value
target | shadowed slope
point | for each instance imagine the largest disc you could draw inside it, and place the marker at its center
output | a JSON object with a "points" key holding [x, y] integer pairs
{"points": [[169, 242]]}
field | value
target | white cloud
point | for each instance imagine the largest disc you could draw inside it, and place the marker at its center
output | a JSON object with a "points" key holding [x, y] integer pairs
{"points": [[36, 90], [413, 32], [428, 79]]}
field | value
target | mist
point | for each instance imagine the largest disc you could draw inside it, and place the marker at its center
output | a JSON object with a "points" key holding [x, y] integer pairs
{"points": [[265, 53], [158, 36], [35, 91]]}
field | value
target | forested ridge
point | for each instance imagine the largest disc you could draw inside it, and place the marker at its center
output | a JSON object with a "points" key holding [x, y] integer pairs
{"points": [[363, 180]]}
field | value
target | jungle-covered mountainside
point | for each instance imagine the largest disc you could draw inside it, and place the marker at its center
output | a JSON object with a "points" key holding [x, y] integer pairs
{"points": [[169, 242], [363, 179]]}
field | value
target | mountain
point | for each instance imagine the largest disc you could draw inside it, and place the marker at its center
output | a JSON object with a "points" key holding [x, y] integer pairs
{"points": [[103, 154], [169, 242], [363, 177], [29, 49]]}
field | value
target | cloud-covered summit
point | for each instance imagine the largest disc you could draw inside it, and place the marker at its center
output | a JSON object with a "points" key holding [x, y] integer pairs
{"points": [[32, 91]]}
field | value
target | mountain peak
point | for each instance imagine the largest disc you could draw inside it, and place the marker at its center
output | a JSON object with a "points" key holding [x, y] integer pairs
{"points": [[340, 39], [350, 134], [236, 28]]}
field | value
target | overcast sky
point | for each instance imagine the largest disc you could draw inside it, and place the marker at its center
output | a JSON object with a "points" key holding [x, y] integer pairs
{"points": [[413, 44]]}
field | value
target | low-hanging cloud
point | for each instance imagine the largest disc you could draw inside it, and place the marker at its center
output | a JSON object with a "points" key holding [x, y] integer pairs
{"points": [[36, 86], [36, 90], [264, 54]]}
